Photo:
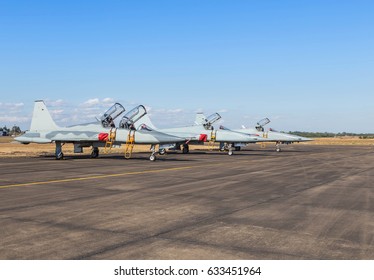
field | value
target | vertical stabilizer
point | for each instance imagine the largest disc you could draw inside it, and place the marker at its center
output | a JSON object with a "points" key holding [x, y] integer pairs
{"points": [[200, 119], [144, 120], [41, 118]]}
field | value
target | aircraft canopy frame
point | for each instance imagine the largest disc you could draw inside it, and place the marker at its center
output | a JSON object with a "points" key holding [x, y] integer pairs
{"points": [[132, 117], [107, 119]]}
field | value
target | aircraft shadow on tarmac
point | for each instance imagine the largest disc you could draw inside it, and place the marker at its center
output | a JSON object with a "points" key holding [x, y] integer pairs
{"points": [[177, 156]]}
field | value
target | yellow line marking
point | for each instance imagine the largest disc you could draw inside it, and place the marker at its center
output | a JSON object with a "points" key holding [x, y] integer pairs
{"points": [[94, 177]]}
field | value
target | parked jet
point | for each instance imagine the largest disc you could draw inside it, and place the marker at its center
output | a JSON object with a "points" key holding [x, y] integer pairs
{"points": [[269, 135], [274, 136], [101, 133], [198, 133]]}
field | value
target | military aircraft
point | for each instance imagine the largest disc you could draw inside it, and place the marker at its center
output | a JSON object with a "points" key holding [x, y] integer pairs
{"points": [[101, 133], [198, 133], [269, 135]]}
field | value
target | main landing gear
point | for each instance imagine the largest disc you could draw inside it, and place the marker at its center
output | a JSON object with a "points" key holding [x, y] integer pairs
{"points": [[230, 152], [95, 152], [59, 154], [185, 149], [227, 147], [152, 157], [277, 147]]}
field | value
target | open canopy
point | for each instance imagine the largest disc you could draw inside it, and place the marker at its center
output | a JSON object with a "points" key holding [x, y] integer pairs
{"points": [[132, 117], [211, 119], [111, 114], [261, 123]]}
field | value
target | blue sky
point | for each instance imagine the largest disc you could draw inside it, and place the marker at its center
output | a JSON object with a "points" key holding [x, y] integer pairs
{"points": [[307, 65]]}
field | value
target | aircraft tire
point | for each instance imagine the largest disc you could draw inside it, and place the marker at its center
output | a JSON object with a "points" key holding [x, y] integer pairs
{"points": [[95, 153], [185, 149], [162, 151], [60, 156], [152, 158], [230, 153]]}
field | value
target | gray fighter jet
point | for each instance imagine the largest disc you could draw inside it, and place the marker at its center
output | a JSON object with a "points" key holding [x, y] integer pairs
{"points": [[101, 133], [272, 135], [269, 135], [198, 133]]}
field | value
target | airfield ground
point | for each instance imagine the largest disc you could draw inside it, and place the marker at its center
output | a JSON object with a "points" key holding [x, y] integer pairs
{"points": [[307, 202]]}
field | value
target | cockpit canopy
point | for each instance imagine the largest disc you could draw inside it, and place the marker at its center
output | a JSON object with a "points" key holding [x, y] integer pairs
{"points": [[107, 119], [211, 119], [131, 117], [261, 123]]}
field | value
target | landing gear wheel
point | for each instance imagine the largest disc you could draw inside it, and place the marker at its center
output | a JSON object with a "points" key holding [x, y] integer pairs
{"points": [[237, 148], [185, 149], [230, 153], [277, 147], [152, 158], [95, 153], [162, 151], [60, 156]]}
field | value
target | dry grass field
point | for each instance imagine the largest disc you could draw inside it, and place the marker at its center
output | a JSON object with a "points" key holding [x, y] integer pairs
{"points": [[11, 148], [341, 141]]}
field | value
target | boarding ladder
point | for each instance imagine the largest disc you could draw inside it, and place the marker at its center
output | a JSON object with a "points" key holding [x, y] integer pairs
{"points": [[110, 140], [264, 135], [212, 140], [130, 142]]}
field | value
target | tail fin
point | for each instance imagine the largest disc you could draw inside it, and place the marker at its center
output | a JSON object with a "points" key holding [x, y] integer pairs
{"points": [[200, 119], [144, 120], [41, 118]]}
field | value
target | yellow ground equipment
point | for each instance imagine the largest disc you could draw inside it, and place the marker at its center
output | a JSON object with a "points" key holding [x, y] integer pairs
{"points": [[111, 138], [212, 140], [130, 143]]}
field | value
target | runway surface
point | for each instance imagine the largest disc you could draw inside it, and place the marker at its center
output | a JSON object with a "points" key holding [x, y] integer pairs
{"points": [[307, 202]]}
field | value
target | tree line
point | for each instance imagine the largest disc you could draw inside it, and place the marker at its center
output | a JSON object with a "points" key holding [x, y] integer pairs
{"points": [[5, 131], [330, 135]]}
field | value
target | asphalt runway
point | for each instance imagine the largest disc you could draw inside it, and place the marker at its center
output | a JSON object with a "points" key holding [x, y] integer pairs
{"points": [[307, 202]]}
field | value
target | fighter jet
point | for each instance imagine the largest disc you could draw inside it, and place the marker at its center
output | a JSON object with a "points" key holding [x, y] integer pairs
{"points": [[272, 135], [198, 133], [269, 135], [101, 133]]}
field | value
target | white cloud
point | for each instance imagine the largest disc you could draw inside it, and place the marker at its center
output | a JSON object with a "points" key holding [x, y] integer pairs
{"points": [[169, 111], [91, 102], [108, 100], [55, 103], [223, 111], [17, 105], [277, 117], [14, 119], [174, 111], [148, 108], [12, 106], [56, 112]]}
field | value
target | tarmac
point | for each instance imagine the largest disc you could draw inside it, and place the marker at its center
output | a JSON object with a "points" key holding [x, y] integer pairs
{"points": [[306, 202]]}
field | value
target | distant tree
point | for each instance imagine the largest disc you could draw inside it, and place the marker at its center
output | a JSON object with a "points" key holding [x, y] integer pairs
{"points": [[15, 130], [329, 134], [4, 131]]}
